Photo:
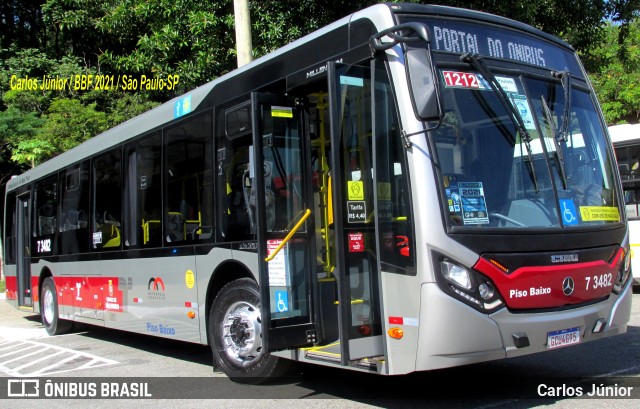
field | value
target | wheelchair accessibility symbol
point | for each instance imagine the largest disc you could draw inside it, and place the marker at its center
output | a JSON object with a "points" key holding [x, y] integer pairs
{"points": [[282, 301], [569, 214]]}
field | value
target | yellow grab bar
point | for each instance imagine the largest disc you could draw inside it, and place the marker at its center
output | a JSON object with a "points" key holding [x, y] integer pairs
{"points": [[304, 217]]}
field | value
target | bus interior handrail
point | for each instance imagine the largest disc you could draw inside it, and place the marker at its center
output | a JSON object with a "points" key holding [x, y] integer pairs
{"points": [[295, 228]]}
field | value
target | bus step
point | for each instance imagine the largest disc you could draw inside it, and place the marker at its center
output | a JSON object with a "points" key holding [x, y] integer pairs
{"points": [[329, 352], [320, 356], [370, 364]]}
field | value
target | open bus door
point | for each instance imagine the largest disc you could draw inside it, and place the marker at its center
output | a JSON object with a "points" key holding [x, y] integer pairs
{"points": [[23, 245], [282, 197], [336, 308], [336, 305], [356, 264]]}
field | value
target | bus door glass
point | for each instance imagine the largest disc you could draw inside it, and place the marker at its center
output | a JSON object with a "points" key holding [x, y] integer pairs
{"points": [[278, 193], [24, 252], [356, 255]]}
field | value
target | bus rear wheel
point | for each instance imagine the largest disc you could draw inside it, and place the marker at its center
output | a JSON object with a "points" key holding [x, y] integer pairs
{"points": [[235, 334], [49, 310]]}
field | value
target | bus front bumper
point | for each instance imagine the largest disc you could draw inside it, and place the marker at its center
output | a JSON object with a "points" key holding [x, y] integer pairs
{"points": [[453, 334]]}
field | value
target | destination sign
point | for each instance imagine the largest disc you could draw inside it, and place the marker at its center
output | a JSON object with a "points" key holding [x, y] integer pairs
{"points": [[500, 42]]}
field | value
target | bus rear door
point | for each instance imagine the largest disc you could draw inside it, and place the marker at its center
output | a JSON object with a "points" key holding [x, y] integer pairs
{"points": [[23, 267]]}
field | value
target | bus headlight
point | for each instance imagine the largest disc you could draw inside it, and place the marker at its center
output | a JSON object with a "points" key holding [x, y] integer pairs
{"points": [[486, 291], [456, 274], [466, 285], [624, 273]]}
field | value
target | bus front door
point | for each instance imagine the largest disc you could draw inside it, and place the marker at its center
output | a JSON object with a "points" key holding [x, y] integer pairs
{"points": [[281, 175], [23, 267], [356, 268]]}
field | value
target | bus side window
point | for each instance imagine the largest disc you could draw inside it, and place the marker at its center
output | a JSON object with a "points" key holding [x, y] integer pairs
{"points": [[10, 230], [107, 182], [397, 250], [142, 208], [46, 210], [74, 210], [188, 167], [234, 186], [46, 219]]}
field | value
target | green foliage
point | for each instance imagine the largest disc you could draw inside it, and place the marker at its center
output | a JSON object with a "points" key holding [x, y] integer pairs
{"points": [[19, 64], [128, 106], [20, 129], [277, 23], [617, 80], [190, 38], [69, 123], [195, 39]]}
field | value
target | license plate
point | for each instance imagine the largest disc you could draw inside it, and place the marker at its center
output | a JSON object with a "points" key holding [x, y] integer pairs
{"points": [[563, 337]]}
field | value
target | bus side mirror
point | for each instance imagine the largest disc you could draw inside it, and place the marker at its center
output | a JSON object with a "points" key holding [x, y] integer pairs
{"points": [[423, 82]]}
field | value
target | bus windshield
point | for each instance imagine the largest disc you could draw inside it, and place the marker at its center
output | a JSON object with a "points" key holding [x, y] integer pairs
{"points": [[550, 168]]}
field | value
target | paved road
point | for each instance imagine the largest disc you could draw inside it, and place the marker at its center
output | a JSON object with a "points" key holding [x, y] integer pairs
{"points": [[98, 356]]}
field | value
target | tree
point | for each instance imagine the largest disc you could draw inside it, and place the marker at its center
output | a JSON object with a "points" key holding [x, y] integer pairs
{"points": [[194, 40], [617, 80], [69, 123], [191, 38], [20, 130]]}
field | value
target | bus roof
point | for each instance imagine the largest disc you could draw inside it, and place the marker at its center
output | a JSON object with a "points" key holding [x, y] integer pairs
{"points": [[624, 132]]}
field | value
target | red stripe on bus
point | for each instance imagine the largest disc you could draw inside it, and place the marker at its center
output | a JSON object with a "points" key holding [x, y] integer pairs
{"points": [[97, 293], [11, 284], [553, 285]]}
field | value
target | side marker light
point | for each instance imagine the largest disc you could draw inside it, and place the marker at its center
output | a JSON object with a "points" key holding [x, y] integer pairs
{"points": [[395, 333]]}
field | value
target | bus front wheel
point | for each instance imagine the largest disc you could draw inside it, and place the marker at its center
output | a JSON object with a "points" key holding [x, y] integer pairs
{"points": [[235, 334], [49, 310]]}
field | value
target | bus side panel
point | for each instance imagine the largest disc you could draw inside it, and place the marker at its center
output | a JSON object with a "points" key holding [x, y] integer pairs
{"points": [[72, 286], [206, 265], [634, 241], [453, 334], [11, 283], [157, 296], [164, 296]]}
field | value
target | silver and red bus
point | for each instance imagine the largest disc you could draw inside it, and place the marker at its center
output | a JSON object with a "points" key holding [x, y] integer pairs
{"points": [[409, 188]]}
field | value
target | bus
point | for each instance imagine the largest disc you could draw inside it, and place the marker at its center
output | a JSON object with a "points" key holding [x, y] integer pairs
{"points": [[626, 142], [412, 187]]}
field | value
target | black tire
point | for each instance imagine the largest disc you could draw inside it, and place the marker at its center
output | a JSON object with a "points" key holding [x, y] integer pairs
{"points": [[49, 310], [237, 349]]}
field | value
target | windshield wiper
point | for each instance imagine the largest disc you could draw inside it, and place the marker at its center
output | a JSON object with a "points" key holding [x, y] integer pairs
{"points": [[558, 149], [514, 115], [565, 80]]}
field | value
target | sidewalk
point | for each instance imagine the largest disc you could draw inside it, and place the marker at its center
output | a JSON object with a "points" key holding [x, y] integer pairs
{"points": [[19, 325], [12, 317]]}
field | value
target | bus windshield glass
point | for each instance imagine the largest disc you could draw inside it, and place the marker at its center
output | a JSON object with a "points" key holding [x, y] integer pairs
{"points": [[545, 164]]}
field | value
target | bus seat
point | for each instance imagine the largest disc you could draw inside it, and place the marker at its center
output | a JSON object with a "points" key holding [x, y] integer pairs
{"points": [[174, 227], [47, 219], [74, 220], [147, 227], [110, 235]]}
